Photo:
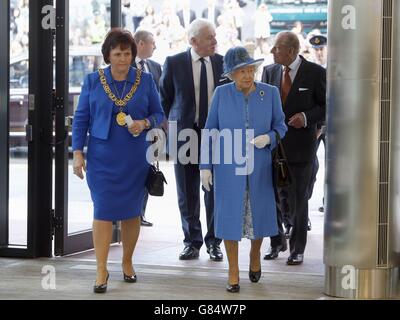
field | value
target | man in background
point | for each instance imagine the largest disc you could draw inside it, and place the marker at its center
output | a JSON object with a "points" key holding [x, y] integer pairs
{"points": [[145, 47], [303, 93]]}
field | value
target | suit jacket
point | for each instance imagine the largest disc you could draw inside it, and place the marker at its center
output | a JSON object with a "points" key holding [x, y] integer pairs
{"points": [[182, 21], [154, 69], [217, 13], [95, 109], [177, 87], [308, 95]]}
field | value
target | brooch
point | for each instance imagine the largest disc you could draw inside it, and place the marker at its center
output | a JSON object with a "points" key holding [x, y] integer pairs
{"points": [[262, 93]]}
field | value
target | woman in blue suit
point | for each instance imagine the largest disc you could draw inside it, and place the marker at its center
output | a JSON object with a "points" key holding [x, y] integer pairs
{"points": [[116, 167], [244, 196]]}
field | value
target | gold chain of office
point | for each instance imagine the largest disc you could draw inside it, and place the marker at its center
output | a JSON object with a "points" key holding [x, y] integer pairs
{"points": [[120, 102]]}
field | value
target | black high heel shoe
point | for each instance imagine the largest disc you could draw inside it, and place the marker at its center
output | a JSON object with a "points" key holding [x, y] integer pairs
{"points": [[254, 276], [101, 288], [233, 288], [130, 279]]}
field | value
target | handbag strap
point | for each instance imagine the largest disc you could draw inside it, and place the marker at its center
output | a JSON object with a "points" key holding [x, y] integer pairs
{"points": [[280, 146]]}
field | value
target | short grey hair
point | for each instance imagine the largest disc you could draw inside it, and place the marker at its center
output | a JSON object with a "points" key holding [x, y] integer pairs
{"points": [[142, 35], [290, 39], [196, 26]]}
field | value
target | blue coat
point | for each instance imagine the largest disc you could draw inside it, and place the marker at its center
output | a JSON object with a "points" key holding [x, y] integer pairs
{"points": [[228, 112], [94, 111]]}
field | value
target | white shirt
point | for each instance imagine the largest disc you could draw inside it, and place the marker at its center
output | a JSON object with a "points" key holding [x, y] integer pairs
{"points": [[196, 67], [137, 60], [294, 67]]}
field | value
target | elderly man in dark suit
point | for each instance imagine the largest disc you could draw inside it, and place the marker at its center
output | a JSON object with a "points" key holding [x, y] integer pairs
{"points": [[186, 86], [303, 91], [146, 45]]}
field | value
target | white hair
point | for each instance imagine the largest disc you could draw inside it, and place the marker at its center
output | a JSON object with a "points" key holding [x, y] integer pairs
{"points": [[196, 26]]}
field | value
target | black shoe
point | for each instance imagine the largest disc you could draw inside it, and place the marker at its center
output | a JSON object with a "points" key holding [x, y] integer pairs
{"points": [[309, 227], [233, 288], [254, 276], [145, 223], [101, 288], [215, 253], [130, 279], [295, 259], [273, 252], [189, 253]]}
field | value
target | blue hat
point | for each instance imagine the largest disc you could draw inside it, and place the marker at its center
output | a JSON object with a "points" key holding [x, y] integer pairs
{"points": [[238, 57], [318, 41]]}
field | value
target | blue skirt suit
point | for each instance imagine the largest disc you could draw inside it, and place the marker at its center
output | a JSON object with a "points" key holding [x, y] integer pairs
{"points": [[116, 161]]}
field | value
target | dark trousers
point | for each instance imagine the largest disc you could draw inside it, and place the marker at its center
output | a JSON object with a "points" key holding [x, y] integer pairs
{"points": [[315, 167], [298, 204], [292, 208], [282, 212], [187, 178], [136, 22]]}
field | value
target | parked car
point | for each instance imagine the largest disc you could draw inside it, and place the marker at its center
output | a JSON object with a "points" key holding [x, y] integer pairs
{"points": [[82, 60]]}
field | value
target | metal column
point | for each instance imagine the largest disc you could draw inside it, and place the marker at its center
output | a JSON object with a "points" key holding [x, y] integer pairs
{"points": [[361, 245]]}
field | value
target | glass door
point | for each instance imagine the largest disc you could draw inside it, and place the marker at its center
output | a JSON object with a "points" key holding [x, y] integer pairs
{"points": [[25, 124], [78, 53]]}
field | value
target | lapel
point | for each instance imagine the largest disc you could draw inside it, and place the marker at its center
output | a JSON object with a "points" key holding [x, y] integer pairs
{"points": [[150, 67], [189, 68], [216, 71], [297, 81], [276, 76]]}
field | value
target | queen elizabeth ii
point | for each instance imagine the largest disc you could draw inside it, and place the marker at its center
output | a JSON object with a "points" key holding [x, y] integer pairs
{"points": [[244, 203]]}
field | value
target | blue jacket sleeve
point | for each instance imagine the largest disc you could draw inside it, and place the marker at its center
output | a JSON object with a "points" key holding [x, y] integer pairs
{"points": [[156, 113], [80, 124], [208, 140], [278, 118]]}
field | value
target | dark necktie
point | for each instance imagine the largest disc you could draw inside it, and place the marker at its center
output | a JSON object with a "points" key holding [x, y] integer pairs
{"points": [[203, 101], [141, 62], [286, 84]]}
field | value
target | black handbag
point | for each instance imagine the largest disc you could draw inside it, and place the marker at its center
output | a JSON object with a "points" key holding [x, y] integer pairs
{"points": [[155, 181], [280, 167]]}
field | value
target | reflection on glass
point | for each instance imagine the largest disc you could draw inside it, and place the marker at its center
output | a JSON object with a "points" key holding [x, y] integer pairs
{"points": [[18, 113], [89, 24]]}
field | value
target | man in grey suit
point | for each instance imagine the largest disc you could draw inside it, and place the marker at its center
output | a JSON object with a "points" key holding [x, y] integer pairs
{"points": [[145, 45], [303, 93]]}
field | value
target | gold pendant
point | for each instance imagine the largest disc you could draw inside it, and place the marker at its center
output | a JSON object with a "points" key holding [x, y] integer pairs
{"points": [[121, 119]]}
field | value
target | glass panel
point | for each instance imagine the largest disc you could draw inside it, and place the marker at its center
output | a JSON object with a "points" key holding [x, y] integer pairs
{"points": [[18, 110], [89, 24]]}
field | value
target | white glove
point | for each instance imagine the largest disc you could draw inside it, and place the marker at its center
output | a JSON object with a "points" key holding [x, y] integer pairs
{"points": [[206, 178], [261, 141]]}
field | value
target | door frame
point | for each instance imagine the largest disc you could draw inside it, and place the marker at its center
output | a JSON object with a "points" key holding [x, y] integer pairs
{"points": [[39, 233], [66, 243]]}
